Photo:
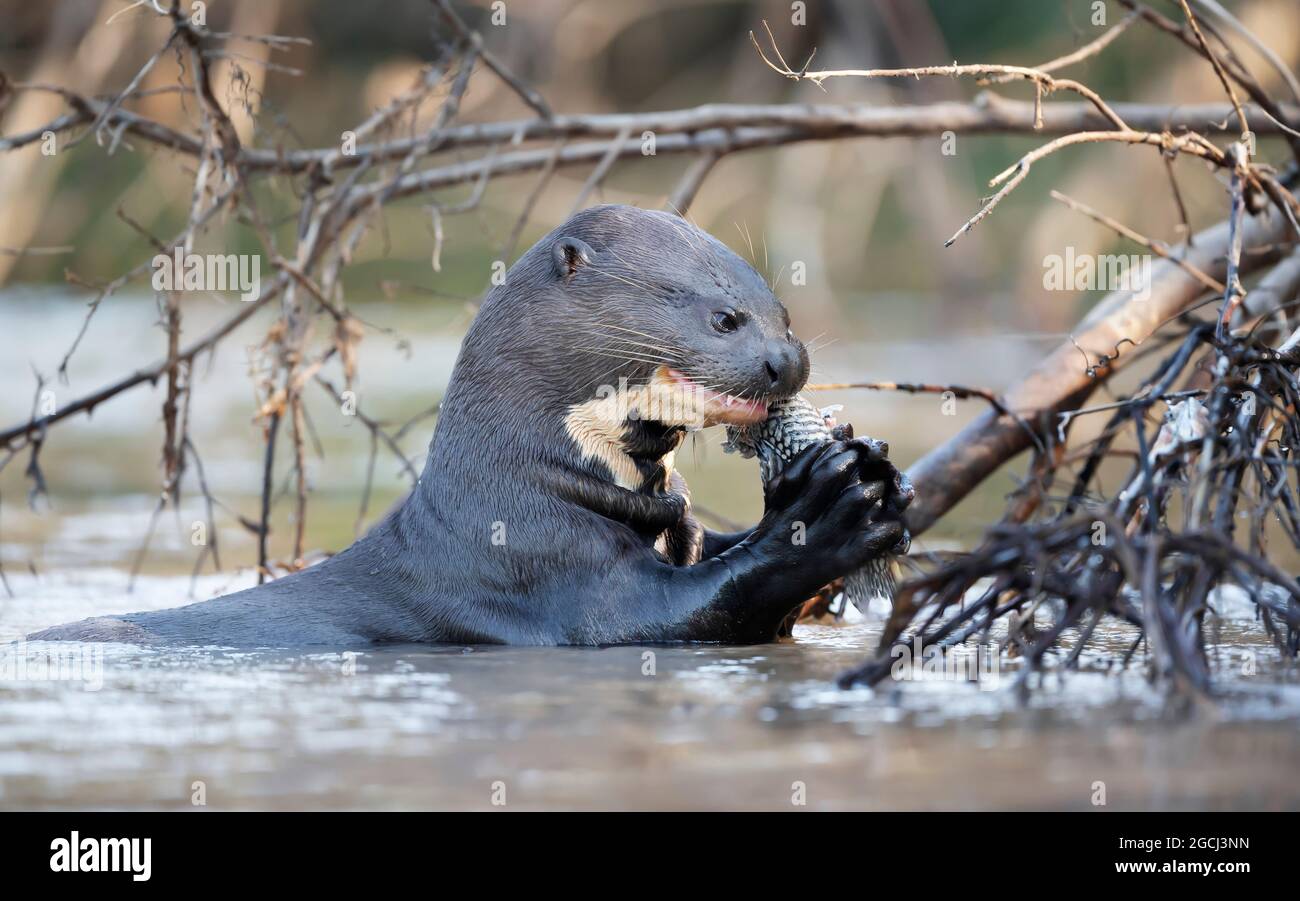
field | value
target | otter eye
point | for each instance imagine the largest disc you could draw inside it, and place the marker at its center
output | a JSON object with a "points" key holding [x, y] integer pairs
{"points": [[725, 321]]}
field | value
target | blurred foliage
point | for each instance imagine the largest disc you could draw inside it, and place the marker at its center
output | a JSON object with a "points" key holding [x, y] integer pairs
{"points": [[589, 56]]}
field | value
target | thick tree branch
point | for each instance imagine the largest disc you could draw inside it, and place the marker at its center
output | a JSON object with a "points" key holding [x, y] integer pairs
{"points": [[1064, 379], [775, 124]]}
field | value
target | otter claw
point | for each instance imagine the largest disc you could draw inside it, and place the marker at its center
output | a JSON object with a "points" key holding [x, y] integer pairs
{"points": [[904, 489], [904, 545], [877, 451]]}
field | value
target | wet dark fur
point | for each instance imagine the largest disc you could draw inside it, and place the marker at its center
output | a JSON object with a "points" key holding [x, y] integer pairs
{"points": [[579, 562]]}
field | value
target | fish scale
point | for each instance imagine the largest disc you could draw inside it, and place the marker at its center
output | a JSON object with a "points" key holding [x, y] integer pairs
{"points": [[793, 424]]}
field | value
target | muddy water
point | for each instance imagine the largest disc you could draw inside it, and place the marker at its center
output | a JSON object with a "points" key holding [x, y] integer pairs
{"points": [[688, 727], [421, 727]]}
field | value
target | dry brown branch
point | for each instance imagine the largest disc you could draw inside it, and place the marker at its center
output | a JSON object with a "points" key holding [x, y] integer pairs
{"points": [[602, 169], [762, 125], [526, 93], [548, 170], [1277, 116], [1011, 177], [1279, 66], [14, 435], [959, 392], [1191, 143], [1043, 82], [1218, 69], [680, 200], [1062, 381], [1087, 51]]}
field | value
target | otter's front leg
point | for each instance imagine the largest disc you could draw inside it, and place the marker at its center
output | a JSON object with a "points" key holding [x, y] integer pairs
{"points": [[717, 542], [830, 511], [833, 509]]}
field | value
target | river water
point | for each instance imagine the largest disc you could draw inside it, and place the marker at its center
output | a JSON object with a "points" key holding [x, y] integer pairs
{"points": [[480, 728]]}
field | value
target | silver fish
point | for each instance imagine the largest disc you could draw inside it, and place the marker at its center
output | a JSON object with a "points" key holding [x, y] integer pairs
{"points": [[791, 425]]}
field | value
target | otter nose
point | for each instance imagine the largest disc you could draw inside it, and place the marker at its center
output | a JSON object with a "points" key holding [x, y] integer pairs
{"points": [[773, 375], [783, 366]]}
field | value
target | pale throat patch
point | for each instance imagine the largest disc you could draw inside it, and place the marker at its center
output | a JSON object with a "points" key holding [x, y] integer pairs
{"points": [[597, 426]]}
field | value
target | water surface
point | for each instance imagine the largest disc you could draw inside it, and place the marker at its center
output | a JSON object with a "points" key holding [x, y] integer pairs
{"points": [[695, 727]]}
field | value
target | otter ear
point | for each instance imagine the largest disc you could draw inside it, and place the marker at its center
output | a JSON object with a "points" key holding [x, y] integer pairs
{"points": [[569, 255]]}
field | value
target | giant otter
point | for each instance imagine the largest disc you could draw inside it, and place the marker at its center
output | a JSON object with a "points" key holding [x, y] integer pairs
{"points": [[548, 511]]}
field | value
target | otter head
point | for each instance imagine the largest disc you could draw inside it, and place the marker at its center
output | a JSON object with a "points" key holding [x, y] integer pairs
{"points": [[673, 325], [661, 329]]}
